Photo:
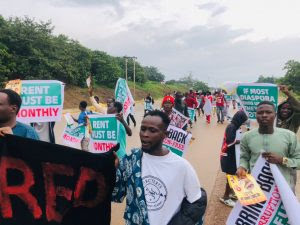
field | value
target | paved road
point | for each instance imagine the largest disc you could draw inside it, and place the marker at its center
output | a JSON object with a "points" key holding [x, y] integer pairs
{"points": [[203, 154]]}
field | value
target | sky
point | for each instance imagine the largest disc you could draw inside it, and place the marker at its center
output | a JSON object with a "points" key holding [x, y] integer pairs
{"points": [[215, 41]]}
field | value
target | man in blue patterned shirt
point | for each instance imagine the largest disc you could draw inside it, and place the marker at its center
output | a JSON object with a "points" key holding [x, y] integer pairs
{"points": [[154, 180]]}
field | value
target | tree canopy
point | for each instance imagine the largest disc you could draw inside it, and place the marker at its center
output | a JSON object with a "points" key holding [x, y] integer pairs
{"points": [[292, 75], [191, 82], [30, 50], [263, 79]]}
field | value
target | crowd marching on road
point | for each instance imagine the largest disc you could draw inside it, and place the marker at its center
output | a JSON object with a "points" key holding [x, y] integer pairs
{"points": [[160, 186]]}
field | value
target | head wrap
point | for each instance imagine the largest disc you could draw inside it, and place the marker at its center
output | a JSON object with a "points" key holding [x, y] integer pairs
{"points": [[168, 98]]}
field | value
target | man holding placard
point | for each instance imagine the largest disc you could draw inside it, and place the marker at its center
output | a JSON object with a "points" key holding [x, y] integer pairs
{"points": [[159, 185], [288, 112], [278, 146], [116, 108], [10, 104]]}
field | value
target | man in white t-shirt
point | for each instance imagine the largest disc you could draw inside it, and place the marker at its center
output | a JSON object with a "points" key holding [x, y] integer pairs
{"points": [[154, 180]]}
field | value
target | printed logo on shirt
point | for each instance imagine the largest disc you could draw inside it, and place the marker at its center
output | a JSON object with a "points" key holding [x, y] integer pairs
{"points": [[155, 193]]}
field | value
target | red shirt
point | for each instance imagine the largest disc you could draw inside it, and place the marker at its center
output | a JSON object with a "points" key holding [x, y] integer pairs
{"points": [[220, 100], [191, 102]]}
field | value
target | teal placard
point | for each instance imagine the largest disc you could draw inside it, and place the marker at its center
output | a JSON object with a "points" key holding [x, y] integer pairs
{"points": [[251, 95], [41, 94], [192, 113], [104, 128]]}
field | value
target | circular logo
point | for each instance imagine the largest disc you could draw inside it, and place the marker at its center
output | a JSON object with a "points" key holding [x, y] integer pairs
{"points": [[155, 193]]}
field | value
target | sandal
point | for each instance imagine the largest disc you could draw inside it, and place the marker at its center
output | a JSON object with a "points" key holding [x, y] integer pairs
{"points": [[228, 202], [233, 197]]}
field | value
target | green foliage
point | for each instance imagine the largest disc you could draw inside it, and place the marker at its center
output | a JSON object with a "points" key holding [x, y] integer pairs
{"points": [[263, 79], [153, 74], [292, 75], [156, 89], [29, 50], [140, 75], [105, 68], [190, 82]]}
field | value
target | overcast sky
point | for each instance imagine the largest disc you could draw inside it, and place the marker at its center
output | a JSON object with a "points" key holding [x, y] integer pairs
{"points": [[217, 41]]}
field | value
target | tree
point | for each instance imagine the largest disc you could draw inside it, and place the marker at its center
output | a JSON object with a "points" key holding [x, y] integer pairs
{"points": [[153, 74], [105, 68], [29, 50], [292, 75], [263, 79]]}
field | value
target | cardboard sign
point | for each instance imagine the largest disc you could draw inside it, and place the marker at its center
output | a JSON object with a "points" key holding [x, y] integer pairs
{"points": [[228, 98], [273, 210], [192, 113], [42, 101], [104, 132], [123, 95], [178, 119], [252, 94], [14, 85], [72, 136], [177, 140], [48, 184], [88, 81], [69, 119], [247, 190]]}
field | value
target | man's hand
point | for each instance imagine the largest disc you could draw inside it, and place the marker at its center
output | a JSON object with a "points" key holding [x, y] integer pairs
{"points": [[91, 91], [284, 89], [115, 149], [119, 117], [272, 157], [241, 172], [5, 130], [117, 161]]}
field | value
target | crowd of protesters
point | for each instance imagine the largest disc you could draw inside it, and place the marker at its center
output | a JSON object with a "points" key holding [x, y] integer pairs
{"points": [[180, 200]]}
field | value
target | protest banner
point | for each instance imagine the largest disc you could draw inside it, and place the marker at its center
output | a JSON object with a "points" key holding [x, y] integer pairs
{"points": [[252, 94], [104, 132], [228, 99], [290, 202], [199, 101], [273, 210], [14, 85], [247, 190], [48, 184], [72, 136], [178, 119], [177, 140], [89, 81], [42, 101], [192, 113], [69, 119], [238, 137], [123, 95]]}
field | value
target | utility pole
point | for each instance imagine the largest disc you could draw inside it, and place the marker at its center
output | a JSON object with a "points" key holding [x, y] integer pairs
{"points": [[134, 58], [126, 61]]}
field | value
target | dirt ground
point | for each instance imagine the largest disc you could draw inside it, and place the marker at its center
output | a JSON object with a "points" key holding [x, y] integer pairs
{"points": [[74, 94], [203, 154]]}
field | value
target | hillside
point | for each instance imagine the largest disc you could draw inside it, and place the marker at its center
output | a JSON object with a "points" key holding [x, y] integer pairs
{"points": [[75, 94]]}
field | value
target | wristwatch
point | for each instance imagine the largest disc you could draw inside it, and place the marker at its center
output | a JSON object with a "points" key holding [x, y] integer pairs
{"points": [[285, 161]]}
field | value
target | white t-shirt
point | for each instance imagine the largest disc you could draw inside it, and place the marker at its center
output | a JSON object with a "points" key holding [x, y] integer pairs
{"points": [[167, 181], [43, 131]]}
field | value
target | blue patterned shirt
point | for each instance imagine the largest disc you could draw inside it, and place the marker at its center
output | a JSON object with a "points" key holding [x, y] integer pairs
{"points": [[129, 184]]}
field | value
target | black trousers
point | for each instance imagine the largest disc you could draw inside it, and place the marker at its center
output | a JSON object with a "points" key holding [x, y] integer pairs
{"points": [[130, 116]]}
